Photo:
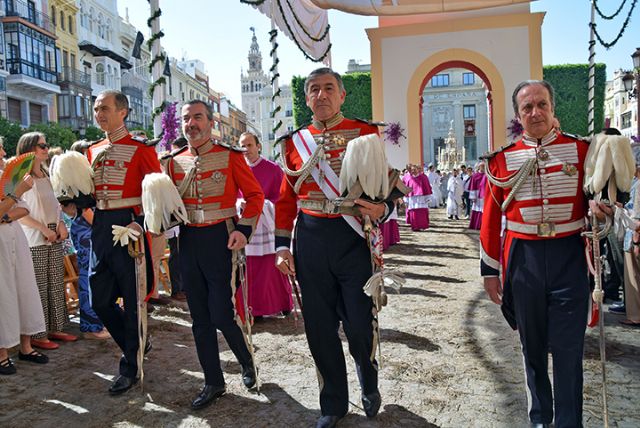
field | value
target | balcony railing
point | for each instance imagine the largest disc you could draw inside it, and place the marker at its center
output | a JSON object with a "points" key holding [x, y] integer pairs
{"points": [[17, 66], [130, 79], [27, 11], [71, 75]]}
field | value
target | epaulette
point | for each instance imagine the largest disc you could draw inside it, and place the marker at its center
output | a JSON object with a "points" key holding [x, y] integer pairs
{"points": [[173, 153], [289, 134], [370, 122], [152, 142], [141, 140], [231, 147], [489, 155], [577, 137]]}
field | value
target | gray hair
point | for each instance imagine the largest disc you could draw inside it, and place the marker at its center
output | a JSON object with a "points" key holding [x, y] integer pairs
{"points": [[524, 84], [121, 100], [206, 106], [321, 72]]}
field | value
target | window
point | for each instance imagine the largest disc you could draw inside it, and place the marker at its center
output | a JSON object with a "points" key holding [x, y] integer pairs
{"points": [[70, 26], [440, 80], [72, 61], [625, 120], [62, 19], [53, 15], [469, 111], [101, 26], [107, 30], [468, 78], [100, 74], [83, 15], [90, 19], [471, 148]]}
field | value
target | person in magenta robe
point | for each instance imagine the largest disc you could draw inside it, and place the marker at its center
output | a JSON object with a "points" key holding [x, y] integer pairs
{"points": [[476, 195], [390, 229], [269, 289], [418, 199]]}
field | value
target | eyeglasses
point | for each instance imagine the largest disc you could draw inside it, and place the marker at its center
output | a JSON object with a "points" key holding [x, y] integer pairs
{"points": [[43, 146]]}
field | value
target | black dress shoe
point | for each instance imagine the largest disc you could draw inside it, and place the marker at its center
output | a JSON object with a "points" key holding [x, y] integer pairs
{"points": [[207, 395], [371, 404], [328, 421], [122, 384], [248, 376], [618, 309]]}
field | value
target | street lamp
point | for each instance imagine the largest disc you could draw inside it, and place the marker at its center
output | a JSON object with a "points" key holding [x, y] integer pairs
{"points": [[628, 79]]}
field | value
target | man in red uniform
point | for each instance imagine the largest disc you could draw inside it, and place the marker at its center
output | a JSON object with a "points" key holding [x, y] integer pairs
{"points": [[544, 290], [119, 162], [332, 260], [208, 176]]}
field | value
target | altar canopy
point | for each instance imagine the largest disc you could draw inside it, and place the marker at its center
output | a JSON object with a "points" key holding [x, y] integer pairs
{"points": [[409, 7], [303, 22]]}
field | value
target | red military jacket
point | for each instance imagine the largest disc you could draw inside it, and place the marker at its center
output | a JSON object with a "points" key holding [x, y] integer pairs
{"points": [[120, 162], [550, 204], [336, 133], [208, 178]]}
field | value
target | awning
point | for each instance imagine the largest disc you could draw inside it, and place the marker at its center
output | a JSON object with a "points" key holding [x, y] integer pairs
{"points": [[98, 51]]}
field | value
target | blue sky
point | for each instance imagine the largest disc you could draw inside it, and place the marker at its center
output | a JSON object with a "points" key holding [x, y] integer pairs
{"points": [[220, 36]]}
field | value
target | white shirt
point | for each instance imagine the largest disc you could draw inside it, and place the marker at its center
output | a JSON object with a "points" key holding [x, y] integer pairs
{"points": [[43, 207]]}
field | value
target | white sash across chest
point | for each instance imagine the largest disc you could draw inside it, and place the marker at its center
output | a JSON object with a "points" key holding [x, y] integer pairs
{"points": [[328, 181]]}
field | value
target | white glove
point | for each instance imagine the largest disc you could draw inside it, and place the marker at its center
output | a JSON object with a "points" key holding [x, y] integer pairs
{"points": [[123, 234]]}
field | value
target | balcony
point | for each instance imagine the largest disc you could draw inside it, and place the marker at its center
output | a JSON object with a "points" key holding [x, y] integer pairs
{"points": [[28, 12], [70, 75], [131, 80]]}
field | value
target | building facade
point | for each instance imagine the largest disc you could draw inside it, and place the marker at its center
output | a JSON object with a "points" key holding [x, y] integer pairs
{"points": [[100, 44], [620, 108], [73, 104], [30, 82], [258, 102], [455, 98]]}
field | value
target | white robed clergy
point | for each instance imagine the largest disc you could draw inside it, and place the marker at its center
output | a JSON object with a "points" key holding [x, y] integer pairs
{"points": [[454, 195]]}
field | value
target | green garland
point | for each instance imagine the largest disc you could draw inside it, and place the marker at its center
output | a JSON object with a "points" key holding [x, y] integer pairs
{"points": [[624, 27], [603, 16], [161, 81], [159, 57]]}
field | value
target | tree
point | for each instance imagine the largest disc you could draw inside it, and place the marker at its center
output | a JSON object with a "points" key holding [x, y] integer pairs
{"points": [[11, 131], [93, 133], [56, 134]]}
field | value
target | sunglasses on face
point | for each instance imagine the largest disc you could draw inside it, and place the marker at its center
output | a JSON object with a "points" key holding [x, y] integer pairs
{"points": [[43, 146]]}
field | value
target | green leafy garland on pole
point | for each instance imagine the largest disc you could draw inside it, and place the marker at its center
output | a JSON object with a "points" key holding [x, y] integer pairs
{"points": [[159, 57]]}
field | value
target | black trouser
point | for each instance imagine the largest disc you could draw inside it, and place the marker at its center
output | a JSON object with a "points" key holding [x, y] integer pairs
{"points": [[332, 264], [174, 265], [467, 203], [205, 264], [114, 276], [550, 288]]}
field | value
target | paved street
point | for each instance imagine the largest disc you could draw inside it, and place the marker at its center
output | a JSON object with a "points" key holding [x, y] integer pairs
{"points": [[448, 360]]}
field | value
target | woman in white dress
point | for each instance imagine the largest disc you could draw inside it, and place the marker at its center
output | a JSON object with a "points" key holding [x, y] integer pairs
{"points": [[20, 309], [45, 231]]}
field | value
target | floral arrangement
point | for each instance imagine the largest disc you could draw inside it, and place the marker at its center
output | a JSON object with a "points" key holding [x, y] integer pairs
{"points": [[393, 132], [170, 126], [515, 128], [635, 138]]}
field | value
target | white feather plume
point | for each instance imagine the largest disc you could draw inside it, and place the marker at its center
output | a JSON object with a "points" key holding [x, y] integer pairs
{"points": [[365, 161], [161, 200], [71, 174], [609, 158]]}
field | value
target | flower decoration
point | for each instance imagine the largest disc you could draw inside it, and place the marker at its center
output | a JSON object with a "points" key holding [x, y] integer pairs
{"points": [[515, 128], [393, 132], [170, 126]]}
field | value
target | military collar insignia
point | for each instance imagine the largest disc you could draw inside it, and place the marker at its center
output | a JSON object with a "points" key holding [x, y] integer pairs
{"points": [[231, 147], [198, 151], [547, 139], [118, 134], [328, 124]]}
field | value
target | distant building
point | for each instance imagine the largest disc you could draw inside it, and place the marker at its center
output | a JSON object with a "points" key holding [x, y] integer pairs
{"points": [[355, 67], [257, 94], [73, 104], [620, 110], [30, 59], [135, 81], [455, 95]]}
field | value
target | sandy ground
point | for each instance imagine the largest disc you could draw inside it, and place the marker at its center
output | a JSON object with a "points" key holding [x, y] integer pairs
{"points": [[448, 360]]}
